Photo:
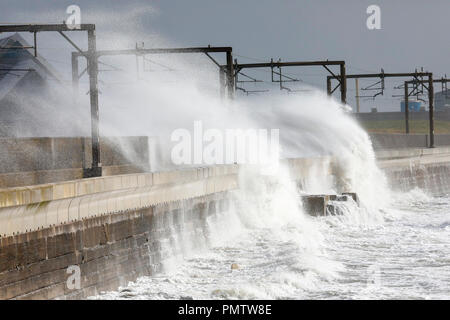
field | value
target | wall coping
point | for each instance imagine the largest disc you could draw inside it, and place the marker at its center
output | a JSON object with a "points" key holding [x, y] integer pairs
{"points": [[16, 196], [410, 152]]}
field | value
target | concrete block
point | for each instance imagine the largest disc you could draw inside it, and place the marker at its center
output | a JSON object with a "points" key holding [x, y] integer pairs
{"points": [[64, 190], [113, 183], [315, 205], [141, 182], [36, 195], [129, 181], [99, 184], [353, 195], [46, 191], [24, 196], [321, 205]]}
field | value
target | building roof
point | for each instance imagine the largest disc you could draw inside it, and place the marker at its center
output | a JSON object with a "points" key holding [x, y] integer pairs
{"points": [[15, 53]]}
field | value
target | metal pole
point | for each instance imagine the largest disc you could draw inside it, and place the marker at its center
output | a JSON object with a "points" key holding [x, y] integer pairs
{"points": [[75, 76], [137, 63], [230, 75], [343, 84], [406, 108], [329, 86], [222, 80], [96, 169], [431, 108], [281, 80], [35, 45], [357, 94]]}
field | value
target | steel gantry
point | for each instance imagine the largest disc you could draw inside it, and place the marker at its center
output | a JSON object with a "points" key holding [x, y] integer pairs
{"points": [[407, 94], [225, 71], [416, 75], [96, 169], [342, 82]]}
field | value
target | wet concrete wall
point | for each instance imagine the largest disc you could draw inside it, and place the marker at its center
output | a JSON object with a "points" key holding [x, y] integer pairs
{"points": [[418, 115], [434, 178], [427, 169], [29, 161], [382, 141], [110, 250], [116, 229]]}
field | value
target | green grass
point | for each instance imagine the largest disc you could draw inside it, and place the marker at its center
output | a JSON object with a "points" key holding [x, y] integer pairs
{"points": [[398, 126]]}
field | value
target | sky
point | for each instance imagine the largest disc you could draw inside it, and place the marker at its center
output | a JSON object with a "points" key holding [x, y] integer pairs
{"points": [[413, 34]]}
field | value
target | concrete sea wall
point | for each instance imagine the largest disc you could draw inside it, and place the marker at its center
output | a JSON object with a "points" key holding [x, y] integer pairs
{"points": [[443, 115], [30, 161], [427, 169], [109, 249], [434, 178], [114, 229], [118, 228], [381, 141]]}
